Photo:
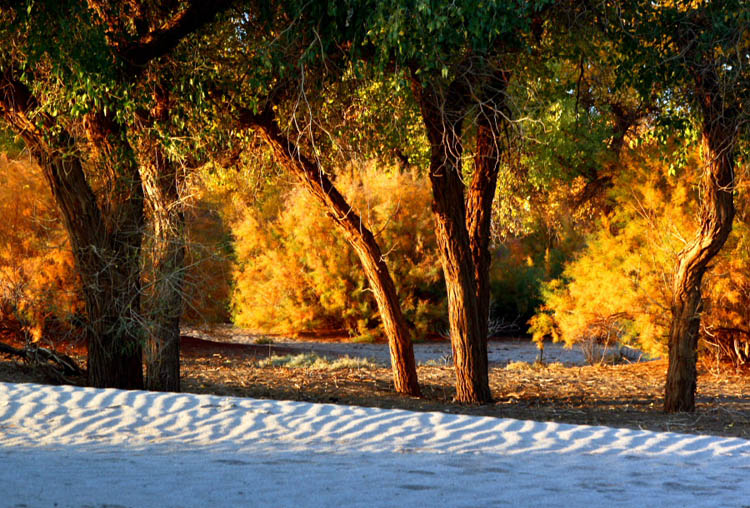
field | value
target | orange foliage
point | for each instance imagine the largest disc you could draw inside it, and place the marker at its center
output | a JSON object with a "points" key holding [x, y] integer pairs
{"points": [[38, 283], [295, 272], [619, 289]]}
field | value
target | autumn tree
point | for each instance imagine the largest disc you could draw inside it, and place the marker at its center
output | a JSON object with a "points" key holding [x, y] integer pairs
{"points": [[697, 53], [459, 60], [105, 231], [269, 63], [69, 72], [141, 41]]}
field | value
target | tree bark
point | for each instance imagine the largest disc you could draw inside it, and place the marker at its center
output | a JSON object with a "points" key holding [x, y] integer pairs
{"points": [[362, 241], [165, 295], [443, 124], [492, 116], [106, 237], [166, 255], [717, 213]]}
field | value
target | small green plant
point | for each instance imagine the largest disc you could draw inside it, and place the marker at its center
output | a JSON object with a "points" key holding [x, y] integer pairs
{"points": [[365, 338], [263, 340], [315, 362]]}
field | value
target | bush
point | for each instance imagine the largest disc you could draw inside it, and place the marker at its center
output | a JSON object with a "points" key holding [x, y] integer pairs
{"points": [[315, 362], [618, 291], [38, 283], [208, 262], [295, 272]]}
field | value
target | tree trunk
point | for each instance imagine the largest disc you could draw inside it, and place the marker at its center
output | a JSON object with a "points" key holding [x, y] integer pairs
{"points": [[492, 116], [716, 223], [478, 221], [115, 346], [467, 339], [106, 239], [164, 297], [166, 255], [108, 263], [362, 241]]}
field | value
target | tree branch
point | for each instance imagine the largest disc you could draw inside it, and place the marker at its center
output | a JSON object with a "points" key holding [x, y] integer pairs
{"points": [[168, 35]]}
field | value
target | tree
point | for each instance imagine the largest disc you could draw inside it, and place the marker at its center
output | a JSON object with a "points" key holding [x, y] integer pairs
{"points": [[97, 57], [106, 239], [459, 60], [140, 37], [700, 52], [362, 241], [263, 65]]}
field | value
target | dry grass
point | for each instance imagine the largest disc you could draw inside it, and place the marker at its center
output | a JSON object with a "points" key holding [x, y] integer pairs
{"points": [[621, 396]]}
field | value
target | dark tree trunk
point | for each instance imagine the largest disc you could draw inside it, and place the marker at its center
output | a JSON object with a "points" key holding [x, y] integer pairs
{"points": [[492, 116], [108, 263], [362, 241], [164, 298], [717, 213], [166, 255], [478, 221], [106, 239], [467, 339], [115, 346]]}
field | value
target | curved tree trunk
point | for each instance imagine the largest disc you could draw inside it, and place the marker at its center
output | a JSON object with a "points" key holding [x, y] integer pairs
{"points": [[105, 236], [467, 337], [362, 241], [720, 129], [716, 223]]}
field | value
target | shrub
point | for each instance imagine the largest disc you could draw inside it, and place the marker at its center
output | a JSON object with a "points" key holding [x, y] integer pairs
{"points": [[38, 283], [295, 272], [618, 291], [208, 262], [315, 362]]}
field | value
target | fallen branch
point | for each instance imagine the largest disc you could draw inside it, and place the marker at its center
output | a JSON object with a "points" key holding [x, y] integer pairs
{"points": [[55, 365]]}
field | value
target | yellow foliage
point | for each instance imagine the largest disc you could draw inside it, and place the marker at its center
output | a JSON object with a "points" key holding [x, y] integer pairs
{"points": [[208, 258], [619, 288], [295, 272]]}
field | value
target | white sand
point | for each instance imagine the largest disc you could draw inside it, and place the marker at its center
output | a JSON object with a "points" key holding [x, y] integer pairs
{"points": [[73, 447]]}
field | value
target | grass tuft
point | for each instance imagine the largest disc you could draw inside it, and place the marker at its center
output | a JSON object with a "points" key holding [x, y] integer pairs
{"points": [[315, 362], [535, 366]]}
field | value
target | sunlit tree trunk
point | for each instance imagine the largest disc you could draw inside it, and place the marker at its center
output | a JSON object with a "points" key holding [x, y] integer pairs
{"points": [[716, 223], [493, 115], [443, 125], [717, 213], [362, 241]]}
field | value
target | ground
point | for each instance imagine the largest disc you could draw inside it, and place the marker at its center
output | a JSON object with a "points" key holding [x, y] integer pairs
{"points": [[628, 396]]}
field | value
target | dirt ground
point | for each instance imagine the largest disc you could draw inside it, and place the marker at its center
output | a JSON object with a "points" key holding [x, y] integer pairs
{"points": [[619, 396]]}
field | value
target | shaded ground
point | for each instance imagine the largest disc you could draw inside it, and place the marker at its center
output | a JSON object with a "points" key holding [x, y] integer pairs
{"points": [[619, 396], [434, 350]]}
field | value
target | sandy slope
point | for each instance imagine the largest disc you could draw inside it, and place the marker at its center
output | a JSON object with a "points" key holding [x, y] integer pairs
{"points": [[88, 447]]}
